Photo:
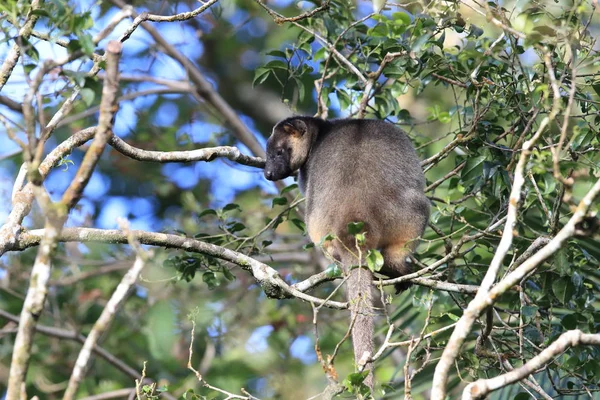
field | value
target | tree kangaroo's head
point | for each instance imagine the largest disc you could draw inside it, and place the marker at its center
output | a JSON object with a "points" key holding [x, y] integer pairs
{"points": [[287, 148]]}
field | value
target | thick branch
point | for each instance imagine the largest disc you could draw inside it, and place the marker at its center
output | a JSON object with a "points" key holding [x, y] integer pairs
{"points": [[207, 154], [482, 387], [56, 215], [267, 277], [483, 299]]}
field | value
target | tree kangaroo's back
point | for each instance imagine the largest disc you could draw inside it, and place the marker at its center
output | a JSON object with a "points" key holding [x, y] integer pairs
{"points": [[355, 171]]}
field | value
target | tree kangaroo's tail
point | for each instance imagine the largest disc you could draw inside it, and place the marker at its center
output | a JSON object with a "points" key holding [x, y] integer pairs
{"points": [[360, 297]]}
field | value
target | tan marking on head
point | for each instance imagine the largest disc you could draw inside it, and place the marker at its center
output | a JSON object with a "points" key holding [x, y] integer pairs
{"points": [[291, 130], [300, 147]]}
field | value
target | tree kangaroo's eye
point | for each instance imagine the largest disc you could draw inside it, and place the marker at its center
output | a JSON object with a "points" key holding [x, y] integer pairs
{"points": [[280, 151]]}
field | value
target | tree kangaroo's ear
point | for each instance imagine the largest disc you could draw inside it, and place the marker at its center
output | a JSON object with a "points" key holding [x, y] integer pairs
{"points": [[295, 127]]}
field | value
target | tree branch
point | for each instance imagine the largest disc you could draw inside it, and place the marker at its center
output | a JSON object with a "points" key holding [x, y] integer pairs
{"points": [[268, 278], [101, 326], [15, 51], [482, 387], [56, 215], [483, 297]]}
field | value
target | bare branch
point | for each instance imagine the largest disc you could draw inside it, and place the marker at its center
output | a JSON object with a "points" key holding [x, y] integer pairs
{"points": [[482, 387], [101, 326], [483, 297], [324, 6], [207, 154], [145, 16], [108, 108], [10, 103], [268, 278], [203, 86], [15, 51]]}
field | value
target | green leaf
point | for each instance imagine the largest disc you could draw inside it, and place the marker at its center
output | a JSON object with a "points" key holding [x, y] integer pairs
{"points": [[333, 271], [326, 238], [401, 18], [277, 53], [232, 207], [208, 211], [374, 260], [299, 224], [73, 46], [361, 238], [418, 44], [279, 201], [210, 279], [569, 321], [87, 44], [354, 228], [452, 316], [260, 75], [87, 95], [343, 98], [596, 87], [473, 168], [529, 312], [444, 117], [40, 12], [236, 227], [30, 50], [228, 275], [563, 289], [28, 68], [277, 64], [354, 380], [289, 188]]}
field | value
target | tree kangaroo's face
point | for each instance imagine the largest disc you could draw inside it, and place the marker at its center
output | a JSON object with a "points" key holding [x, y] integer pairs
{"points": [[287, 149]]}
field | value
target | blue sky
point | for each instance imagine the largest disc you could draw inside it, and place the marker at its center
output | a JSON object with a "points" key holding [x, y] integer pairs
{"points": [[227, 178]]}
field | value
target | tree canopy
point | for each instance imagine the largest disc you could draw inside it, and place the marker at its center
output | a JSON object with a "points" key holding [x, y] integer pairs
{"points": [[143, 254]]}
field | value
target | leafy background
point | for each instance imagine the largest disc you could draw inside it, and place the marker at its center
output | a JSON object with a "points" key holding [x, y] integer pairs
{"points": [[455, 87]]}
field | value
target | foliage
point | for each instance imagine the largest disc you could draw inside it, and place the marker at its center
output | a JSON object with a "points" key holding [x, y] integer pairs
{"points": [[470, 83]]}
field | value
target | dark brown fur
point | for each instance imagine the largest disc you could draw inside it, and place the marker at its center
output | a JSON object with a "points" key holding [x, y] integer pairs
{"points": [[351, 171]]}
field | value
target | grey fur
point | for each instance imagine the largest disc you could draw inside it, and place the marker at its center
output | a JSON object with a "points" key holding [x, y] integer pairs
{"points": [[355, 170]]}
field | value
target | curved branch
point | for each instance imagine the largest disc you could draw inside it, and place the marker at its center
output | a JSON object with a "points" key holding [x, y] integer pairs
{"points": [[56, 215], [484, 298], [207, 154], [482, 387], [204, 88], [267, 277]]}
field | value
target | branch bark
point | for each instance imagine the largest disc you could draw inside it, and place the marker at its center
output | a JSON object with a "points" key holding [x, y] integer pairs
{"points": [[483, 297], [268, 278], [482, 387], [15, 51], [56, 215], [101, 325], [203, 86]]}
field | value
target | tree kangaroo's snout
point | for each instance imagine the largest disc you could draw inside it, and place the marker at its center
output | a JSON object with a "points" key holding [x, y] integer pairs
{"points": [[287, 149]]}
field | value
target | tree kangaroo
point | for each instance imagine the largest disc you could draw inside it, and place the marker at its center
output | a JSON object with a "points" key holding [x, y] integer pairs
{"points": [[354, 170]]}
